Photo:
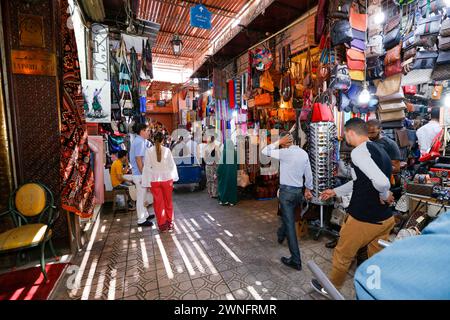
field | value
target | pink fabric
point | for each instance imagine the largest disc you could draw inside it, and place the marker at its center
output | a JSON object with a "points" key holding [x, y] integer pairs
{"points": [[96, 146]]}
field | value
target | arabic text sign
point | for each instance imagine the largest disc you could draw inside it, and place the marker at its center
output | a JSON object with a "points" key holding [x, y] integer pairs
{"points": [[200, 17], [33, 63]]}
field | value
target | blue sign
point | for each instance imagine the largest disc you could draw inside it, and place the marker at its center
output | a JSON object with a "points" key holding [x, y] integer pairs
{"points": [[200, 17]]}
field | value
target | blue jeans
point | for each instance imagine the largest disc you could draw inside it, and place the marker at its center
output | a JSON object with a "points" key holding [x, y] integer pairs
{"points": [[290, 198]]}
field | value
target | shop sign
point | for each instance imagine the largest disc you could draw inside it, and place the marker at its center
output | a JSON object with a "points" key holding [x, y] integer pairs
{"points": [[200, 17], [33, 63], [31, 31]]}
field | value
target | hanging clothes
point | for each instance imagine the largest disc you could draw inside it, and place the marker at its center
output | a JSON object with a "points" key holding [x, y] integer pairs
{"points": [[232, 94], [77, 178]]}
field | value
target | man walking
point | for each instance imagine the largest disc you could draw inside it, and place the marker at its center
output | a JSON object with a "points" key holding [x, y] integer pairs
{"points": [[370, 217], [294, 164], [137, 153]]}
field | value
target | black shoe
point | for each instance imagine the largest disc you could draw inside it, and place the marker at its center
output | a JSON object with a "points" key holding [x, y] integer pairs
{"points": [[318, 287], [145, 224], [281, 240], [289, 263], [150, 217], [332, 244]]}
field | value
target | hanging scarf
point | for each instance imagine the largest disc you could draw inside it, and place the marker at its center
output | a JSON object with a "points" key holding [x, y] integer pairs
{"points": [[77, 178]]}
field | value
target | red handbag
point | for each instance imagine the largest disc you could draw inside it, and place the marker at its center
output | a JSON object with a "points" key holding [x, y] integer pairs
{"points": [[434, 151], [410, 90], [393, 69], [322, 113]]}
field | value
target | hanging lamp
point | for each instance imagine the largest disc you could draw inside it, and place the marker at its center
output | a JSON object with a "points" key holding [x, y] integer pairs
{"points": [[177, 45]]}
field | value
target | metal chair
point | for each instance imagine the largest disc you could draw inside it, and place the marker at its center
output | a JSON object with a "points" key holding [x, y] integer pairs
{"points": [[32, 210]]}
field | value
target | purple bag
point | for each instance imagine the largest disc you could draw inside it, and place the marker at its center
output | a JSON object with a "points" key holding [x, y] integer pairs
{"points": [[358, 44]]}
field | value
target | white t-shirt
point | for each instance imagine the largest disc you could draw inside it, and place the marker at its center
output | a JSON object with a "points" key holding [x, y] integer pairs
{"points": [[426, 135]]}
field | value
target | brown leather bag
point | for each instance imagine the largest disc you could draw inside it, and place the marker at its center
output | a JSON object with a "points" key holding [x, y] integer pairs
{"points": [[393, 55], [263, 99], [358, 21]]}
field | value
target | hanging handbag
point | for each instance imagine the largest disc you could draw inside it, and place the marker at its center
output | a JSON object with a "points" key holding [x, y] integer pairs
{"points": [[392, 38], [375, 46], [322, 113], [340, 77], [410, 53], [286, 87], [393, 55], [391, 117], [355, 60], [409, 40], [388, 86], [425, 60], [393, 23], [375, 68], [444, 43], [430, 6], [391, 106], [445, 28], [428, 26], [393, 69], [410, 90], [357, 20], [263, 99], [356, 75], [440, 73], [265, 81], [307, 105], [443, 58], [437, 92], [341, 32], [416, 77], [320, 19]]}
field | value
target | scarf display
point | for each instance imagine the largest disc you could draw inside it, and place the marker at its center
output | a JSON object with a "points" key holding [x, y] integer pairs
{"points": [[77, 177]]}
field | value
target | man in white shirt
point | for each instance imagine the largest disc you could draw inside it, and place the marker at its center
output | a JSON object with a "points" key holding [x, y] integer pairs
{"points": [[294, 164], [427, 133]]}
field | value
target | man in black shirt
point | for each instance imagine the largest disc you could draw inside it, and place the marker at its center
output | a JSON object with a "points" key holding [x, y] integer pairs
{"points": [[370, 217]]}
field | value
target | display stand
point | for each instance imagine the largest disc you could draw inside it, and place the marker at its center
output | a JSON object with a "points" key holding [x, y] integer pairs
{"points": [[322, 229]]}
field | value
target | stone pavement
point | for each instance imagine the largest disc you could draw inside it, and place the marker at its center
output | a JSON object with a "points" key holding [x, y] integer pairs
{"points": [[215, 252]]}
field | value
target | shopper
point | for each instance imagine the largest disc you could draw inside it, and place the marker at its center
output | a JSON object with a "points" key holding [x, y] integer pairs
{"points": [[370, 217], [294, 165], [227, 175], [160, 172], [389, 145], [427, 133], [211, 155], [137, 154]]}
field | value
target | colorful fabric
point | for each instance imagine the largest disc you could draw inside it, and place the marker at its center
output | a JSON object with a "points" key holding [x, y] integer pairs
{"points": [[77, 177]]}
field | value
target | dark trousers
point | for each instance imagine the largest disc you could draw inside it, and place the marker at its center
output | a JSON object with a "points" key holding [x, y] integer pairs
{"points": [[290, 198]]}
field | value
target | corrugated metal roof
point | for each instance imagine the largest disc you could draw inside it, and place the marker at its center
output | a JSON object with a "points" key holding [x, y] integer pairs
{"points": [[173, 16]]}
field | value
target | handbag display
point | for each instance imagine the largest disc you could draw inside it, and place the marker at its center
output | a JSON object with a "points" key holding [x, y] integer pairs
{"points": [[392, 116], [444, 43], [425, 60], [430, 6], [340, 9], [428, 26], [375, 68], [286, 87], [322, 112], [443, 58], [340, 77], [341, 33], [392, 38], [445, 28], [410, 53], [375, 46], [358, 44], [265, 81], [416, 77], [388, 86], [393, 23], [409, 40], [440, 73], [391, 106], [356, 75], [355, 60], [263, 99], [393, 69]]}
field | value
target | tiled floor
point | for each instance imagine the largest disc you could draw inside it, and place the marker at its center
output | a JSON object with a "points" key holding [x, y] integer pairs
{"points": [[215, 253]]}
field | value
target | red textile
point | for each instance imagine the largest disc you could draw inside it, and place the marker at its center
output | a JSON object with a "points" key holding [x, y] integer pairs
{"points": [[77, 177], [162, 202], [231, 94], [29, 284]]}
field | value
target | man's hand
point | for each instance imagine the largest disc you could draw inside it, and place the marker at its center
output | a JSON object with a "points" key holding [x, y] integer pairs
{"points": [[327, 194], [287, 139], [390, 200], [308, 194]]}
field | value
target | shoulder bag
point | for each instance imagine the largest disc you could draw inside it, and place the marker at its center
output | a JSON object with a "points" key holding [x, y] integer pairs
{"points": [[430, 6], [444, 43], [425, 60], [341, 32], [357, 20], [393, 55], [355, 59], [445, 28], [375, 68], [443, 58], [392, 38], [388, 86], [340, 77], [428, 26], [375, 46], [440, 73]]}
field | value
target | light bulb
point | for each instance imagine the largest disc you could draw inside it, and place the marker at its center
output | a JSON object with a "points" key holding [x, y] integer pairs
{"points": [[208, 92], [364, 96], [379, 17]]}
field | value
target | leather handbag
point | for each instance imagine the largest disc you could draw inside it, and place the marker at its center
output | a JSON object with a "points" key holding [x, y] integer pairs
{"points": [[263, 99], [393, 55], [340, 77], [445, 28], [391, 106], [425, 60], [444, 43], [440, 73], [428, 26], [357, 20], [392, 124], [393, 23], [388, 86], [341, 32], [416, 77], [375, 68], [340, 9], [286, 87], [357, 34], [410, 53], [427, 41], [322, 113], [356, 75], [392, 38], [355, 59], [397, 96], [443, 58], [266, 82], [410, 90], [393, 69], [409, 40], [375, 46], [430, 6], [392, 116]]}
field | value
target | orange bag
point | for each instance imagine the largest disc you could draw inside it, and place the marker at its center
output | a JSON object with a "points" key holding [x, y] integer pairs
{"points": [[356, 60], [358, 21], [263, 99]]}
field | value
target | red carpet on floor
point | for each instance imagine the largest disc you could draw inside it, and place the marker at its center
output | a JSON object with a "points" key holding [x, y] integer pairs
{"points": [[29, 284]]}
